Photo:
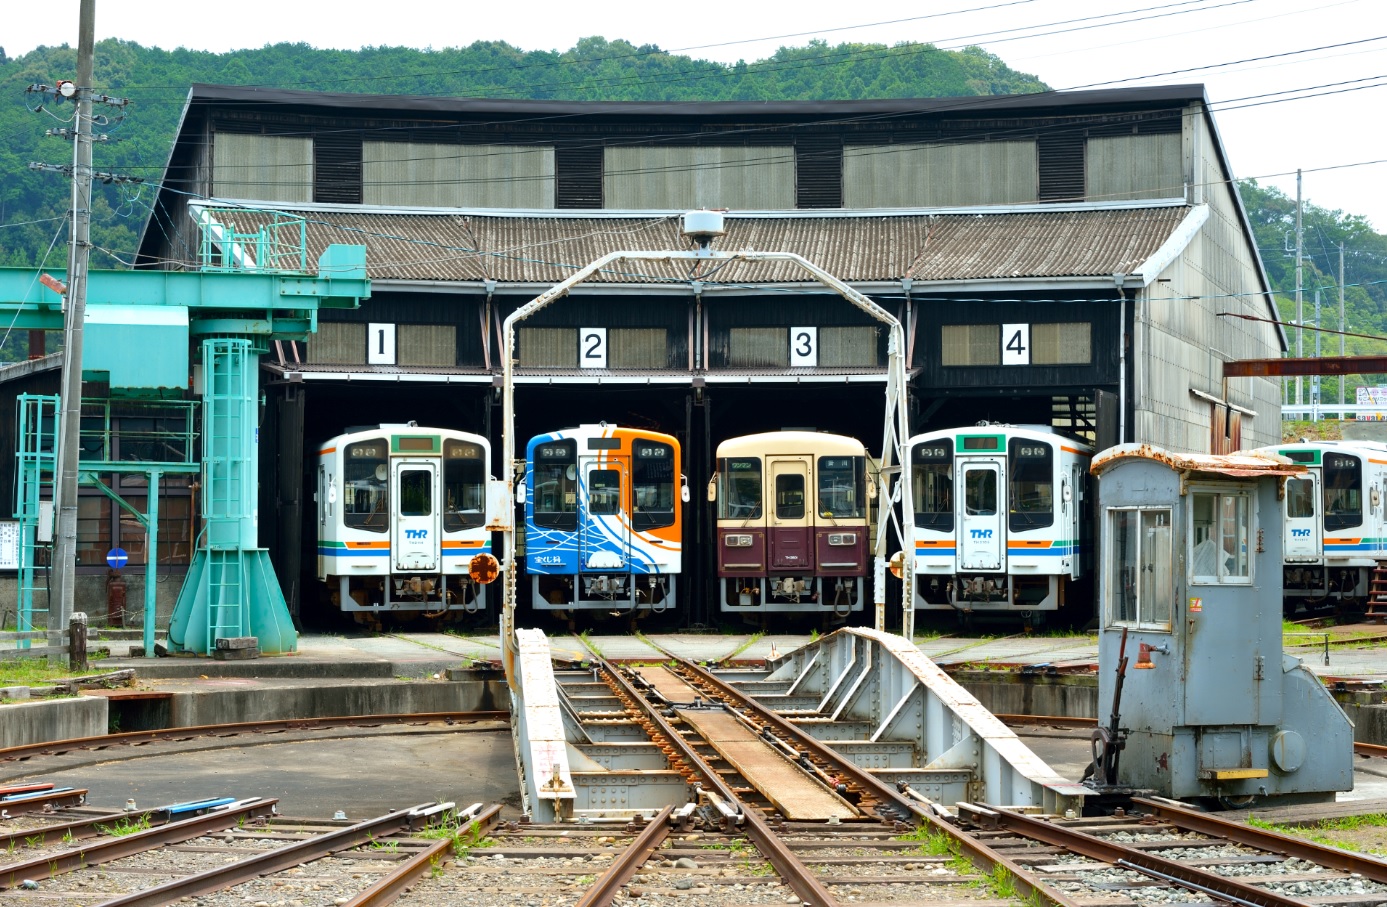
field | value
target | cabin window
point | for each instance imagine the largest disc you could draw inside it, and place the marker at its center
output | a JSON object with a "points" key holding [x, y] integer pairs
{"points": [[416, 492], [464, 485], [1140, 589], [1343, 492], [842, 487], [604, 492], [1032, 491], [980, 492], [789, 496], [1300, 498], [1218, 538], [932, 484], [365, 477], [739, 488], [652, 485], [555, 473]]}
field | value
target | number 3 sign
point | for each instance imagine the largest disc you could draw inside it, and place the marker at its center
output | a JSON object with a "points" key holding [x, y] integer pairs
{"points": [[804, 347]]}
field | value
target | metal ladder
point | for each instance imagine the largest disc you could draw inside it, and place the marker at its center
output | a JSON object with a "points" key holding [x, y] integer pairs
{"points": [[228, 470], [35, 468]]}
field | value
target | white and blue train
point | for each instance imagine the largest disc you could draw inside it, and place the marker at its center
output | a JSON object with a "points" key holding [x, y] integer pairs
{"points": [[401, 515], [604, 519]]}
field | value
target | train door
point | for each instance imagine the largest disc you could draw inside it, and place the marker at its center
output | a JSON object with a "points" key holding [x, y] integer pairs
{"points": [[1073, 520], [415, 535], [1302, 538], [981, 539], [604, 531], [791, 526]]}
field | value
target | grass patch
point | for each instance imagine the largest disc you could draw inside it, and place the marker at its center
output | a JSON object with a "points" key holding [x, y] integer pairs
{"points": [[591, 646], [466, 835], [931, 842], [1320, 832], [33, 672], [125, 825]]}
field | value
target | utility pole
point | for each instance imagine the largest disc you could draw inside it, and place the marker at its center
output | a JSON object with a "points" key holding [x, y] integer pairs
{"points": [[1299, 274], [1341, 329], [70, 422]]}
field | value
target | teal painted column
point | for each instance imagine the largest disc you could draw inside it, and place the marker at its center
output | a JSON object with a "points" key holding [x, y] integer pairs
{"points": [[151, 561], [231, 589]]}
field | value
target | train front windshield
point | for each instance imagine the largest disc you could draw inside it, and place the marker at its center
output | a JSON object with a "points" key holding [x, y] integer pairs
{"points": [[1032, 468], [652, 485], [842, 487], [1343, 492], [365, 474], [932, 484], [739, 488], [556, 485], [464, 485]]}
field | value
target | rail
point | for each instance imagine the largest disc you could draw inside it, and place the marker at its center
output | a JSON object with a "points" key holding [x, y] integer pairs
{"points": [[398, 880], [604, 891]]}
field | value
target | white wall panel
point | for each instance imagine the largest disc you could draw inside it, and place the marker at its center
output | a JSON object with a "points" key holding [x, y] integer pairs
{"points": [[275, 168], [419, 174], [930, 176], [749, 179]]}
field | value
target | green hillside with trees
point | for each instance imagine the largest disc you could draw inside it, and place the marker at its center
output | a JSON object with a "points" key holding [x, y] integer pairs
{"points": [[156, 81]]}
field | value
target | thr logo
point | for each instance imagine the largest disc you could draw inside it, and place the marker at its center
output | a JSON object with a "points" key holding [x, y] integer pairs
{"points": [[1300, 533], [416, 533], [980, 533]]}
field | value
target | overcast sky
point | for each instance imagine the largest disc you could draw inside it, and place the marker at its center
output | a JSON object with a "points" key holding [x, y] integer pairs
{"points": [[1319, 110]]}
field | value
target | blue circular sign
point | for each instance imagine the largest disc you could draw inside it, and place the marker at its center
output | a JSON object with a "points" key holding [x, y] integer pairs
{"points": [[117, 557]]}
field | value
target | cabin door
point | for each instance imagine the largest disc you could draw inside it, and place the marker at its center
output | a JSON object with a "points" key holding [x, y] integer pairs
{"points": [[415, 537], [981, 540], [791, 517], [604, 524], [1302, 537]]}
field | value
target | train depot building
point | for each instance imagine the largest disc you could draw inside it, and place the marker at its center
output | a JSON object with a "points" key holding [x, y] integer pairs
{"points": [[1073, 260]]}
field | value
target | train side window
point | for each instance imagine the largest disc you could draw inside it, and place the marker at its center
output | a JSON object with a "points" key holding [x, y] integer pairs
{"points": [[1218, 538], [365, 486], [1140, 591], [739, 488], [416, 492], [842, 487], [1032, 485], [1343, 492], [555, 475], [932, 485], [789, 497], [604, 492], [652, 485], [464, 485], [1300, 498]]}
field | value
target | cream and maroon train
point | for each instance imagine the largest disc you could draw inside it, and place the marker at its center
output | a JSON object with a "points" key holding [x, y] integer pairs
{"points": [[1003, 519], [792, 522], [401, 514]]}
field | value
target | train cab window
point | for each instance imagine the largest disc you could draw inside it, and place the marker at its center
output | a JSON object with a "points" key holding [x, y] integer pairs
{"points": [[416, 492], [604, 491], [1300, 498], [739, 488], [842, 487], [652, 485], [789, 497], [1218, 538], [932, 484], [555, 474], [1032, 484], [1140, 588], [365, 494], [464, 485], [1343, 492], [980, 492]]}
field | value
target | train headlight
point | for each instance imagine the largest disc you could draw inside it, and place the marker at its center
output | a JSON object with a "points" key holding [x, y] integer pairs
{"points": [[842, 538], [737, 541]]}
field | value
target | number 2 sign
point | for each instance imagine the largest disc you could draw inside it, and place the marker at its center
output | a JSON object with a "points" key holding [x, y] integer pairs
{"points": [[592, 348], [1016, 344]]}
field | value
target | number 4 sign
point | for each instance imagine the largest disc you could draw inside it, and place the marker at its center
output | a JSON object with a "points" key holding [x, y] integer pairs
{"points": [[1016, 344]]}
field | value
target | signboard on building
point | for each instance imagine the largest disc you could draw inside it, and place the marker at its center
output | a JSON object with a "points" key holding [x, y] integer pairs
{"points": [[1375, 397]]}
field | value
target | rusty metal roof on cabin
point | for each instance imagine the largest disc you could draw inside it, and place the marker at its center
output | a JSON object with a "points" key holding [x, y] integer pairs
{"points": [[541, 249]]}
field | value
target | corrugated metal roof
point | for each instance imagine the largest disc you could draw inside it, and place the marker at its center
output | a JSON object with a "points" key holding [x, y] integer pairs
{"points": [[538, 249]]}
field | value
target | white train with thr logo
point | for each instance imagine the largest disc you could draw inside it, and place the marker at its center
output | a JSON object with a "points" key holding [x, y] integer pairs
{"points": [[1002, 520], [401, 514]]}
